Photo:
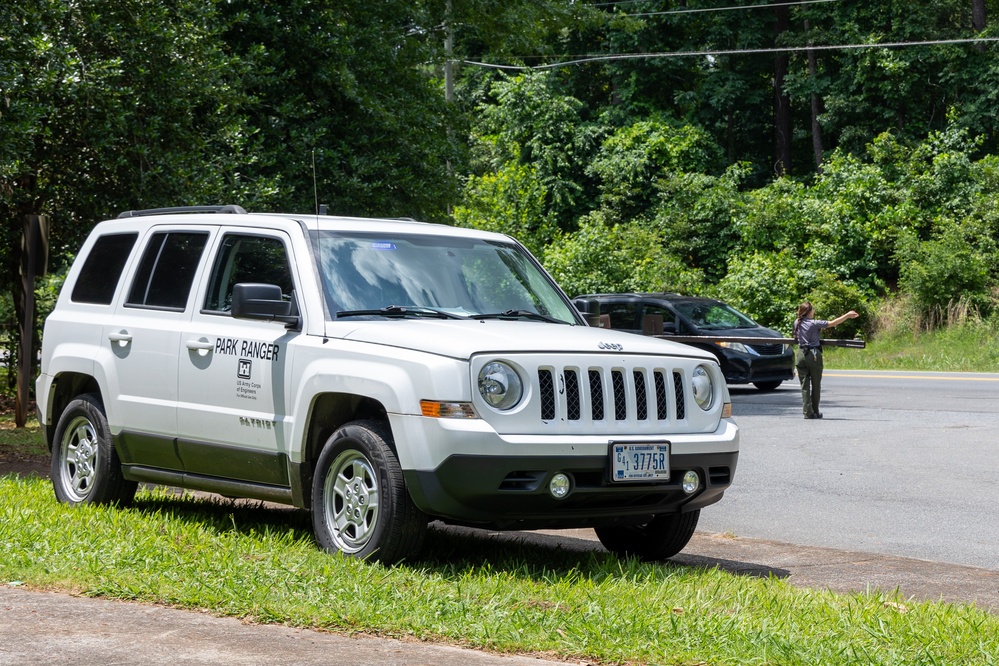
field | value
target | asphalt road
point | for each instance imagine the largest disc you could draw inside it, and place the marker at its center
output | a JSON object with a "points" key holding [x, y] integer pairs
{"points": [[903, 464]]}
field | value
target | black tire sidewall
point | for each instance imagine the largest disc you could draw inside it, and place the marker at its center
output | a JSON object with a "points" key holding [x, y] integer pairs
{"points": [[659, 539], [109, 486], [371, 440]]}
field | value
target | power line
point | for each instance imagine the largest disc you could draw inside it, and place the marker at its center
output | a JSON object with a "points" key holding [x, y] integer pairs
{"points": [[715, 9], [725, 9], [687, 54]]}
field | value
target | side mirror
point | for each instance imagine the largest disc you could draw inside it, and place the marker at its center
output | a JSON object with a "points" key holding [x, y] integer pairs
{"points": [[265, 302], [589, 308]]}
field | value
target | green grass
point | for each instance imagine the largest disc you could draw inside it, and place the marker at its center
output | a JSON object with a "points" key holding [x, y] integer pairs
{"points": [[261, 564], [27, 440], [971, 347]]}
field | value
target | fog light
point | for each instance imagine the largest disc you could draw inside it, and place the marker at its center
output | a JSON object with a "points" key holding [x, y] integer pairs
{"points": [[691, 482], [559, 486]]}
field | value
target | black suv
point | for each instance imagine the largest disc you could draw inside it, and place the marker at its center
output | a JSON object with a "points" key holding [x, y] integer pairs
{"points": [[765, 365]]}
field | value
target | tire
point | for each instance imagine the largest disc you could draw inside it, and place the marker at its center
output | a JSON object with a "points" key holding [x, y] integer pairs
{"points": [[360, 505], [85, 465], [768, 386], [659, 539]]}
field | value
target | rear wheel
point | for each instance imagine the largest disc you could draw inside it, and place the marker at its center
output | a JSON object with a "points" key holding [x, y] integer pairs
{"points": [[85, 465], [659, 539], [767, 386], [360, 505]]}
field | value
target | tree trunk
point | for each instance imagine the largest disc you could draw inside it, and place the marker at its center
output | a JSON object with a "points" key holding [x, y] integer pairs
{"points": [[817, 147], [782, 104], [978, 20]]}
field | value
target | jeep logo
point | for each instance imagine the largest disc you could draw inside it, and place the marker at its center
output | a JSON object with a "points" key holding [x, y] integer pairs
{"points": [[612, 346]]}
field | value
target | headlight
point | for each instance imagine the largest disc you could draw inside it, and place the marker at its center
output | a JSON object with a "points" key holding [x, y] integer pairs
{"points": [[704, 390], [739, 347], [500, 385]]}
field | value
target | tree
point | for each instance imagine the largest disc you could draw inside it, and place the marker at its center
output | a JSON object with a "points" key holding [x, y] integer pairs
{"points": [[104, 104], [347, 83]]}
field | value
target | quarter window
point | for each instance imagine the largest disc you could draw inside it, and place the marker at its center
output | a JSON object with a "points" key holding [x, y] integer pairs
{"points": [[101, 271]]}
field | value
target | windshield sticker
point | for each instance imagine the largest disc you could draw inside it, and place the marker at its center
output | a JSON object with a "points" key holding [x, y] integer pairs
{"points": [[383, 245]]}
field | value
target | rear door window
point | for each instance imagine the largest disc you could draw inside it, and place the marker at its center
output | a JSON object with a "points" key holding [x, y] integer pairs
{"points": [[166, 273], [102, 269]]}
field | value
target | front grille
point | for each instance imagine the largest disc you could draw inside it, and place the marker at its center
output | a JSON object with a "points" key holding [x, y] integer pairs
{"points": [[768, 350], [605, 395]]}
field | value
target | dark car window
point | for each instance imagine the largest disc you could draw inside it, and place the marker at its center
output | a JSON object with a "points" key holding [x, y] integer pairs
{"points": [[167, 271], [669, 317], [714, 316], [623, 316], [102, 269], [245, 258]]}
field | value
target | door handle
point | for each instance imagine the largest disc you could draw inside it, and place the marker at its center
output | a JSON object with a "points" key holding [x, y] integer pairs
{"points": [[122, 337], [202, 346]]}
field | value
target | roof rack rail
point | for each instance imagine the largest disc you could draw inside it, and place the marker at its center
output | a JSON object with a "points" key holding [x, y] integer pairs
{"points": [[237, 210]]}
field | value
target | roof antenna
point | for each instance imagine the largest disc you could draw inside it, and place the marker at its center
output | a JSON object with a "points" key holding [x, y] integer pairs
{"points": [[315, 185], [319, 211]]}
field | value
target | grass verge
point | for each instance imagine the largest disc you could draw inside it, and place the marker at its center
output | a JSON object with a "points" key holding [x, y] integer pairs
{"points": [[972, 346], [23, 441], [261, 564]]}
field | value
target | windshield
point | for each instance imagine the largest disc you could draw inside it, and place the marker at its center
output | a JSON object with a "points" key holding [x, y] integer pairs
{"points": [[714, 316], [380, 275]]}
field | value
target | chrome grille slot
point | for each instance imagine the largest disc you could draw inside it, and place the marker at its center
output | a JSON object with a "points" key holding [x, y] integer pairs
{"points": [[546, 388], [681, 412], [662, 399], [641, 399], [620, 399], [571, 395], [596, 395]]}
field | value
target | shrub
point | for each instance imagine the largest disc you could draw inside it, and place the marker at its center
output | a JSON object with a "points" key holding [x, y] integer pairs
{"points": [[945, 270], [602, 257]]}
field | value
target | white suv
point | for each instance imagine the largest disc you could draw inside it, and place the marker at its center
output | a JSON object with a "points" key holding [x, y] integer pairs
{"points": [[380, 373]]}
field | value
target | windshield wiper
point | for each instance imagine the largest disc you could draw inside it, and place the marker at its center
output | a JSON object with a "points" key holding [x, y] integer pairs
{"points": [[400, 311], [518, 314]]}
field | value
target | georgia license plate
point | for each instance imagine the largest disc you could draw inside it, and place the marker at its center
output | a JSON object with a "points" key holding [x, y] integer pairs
{"points": [[640, 462]]}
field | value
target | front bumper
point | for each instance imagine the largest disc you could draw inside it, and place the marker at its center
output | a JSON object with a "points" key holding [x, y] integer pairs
{"points": [[511, 492], [741, 368]]}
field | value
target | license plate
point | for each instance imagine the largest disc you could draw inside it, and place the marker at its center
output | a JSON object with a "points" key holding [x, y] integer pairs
{"points": [[639, 462]]}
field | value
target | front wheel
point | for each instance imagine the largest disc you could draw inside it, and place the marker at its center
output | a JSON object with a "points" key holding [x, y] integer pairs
{"points": [[85, 465], [659, 539], [360, 505], [767, 386]]}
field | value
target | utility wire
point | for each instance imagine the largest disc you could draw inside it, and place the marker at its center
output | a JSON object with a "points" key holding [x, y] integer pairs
{"points": [[725, 9], [706, 9], [687, 54]]}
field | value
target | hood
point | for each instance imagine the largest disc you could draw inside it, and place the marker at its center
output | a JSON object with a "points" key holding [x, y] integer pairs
{"points": [[462, 339]]}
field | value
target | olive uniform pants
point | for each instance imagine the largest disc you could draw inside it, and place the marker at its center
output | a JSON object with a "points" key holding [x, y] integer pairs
{"points": [[809, 364]]}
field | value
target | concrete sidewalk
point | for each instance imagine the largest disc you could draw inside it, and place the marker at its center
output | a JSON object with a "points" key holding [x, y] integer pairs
{"points": [[43, 627]]}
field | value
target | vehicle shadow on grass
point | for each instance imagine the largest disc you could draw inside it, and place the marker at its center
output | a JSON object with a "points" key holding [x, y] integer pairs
{"points": [[452, 551], [539, 554]]}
